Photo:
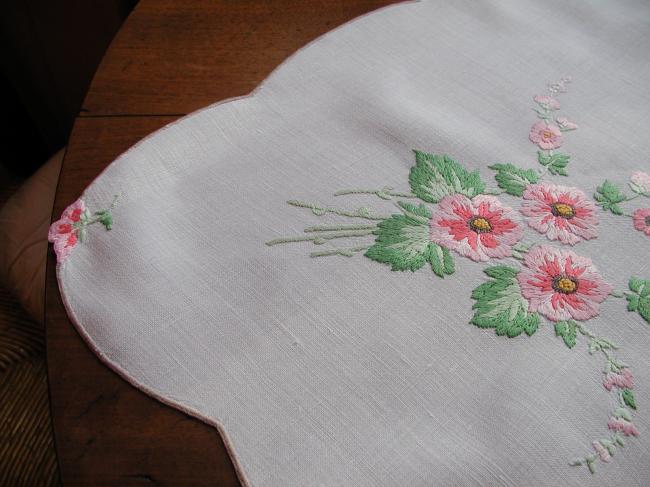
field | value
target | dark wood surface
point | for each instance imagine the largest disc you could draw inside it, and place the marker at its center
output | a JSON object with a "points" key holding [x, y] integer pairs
{"points": [[170, 58]]}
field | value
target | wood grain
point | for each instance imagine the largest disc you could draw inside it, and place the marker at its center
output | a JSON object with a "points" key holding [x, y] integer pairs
{"points": [[171, 57]]}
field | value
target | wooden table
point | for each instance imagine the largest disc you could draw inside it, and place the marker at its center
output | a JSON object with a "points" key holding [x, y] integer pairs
{"points": [[171, 57]]}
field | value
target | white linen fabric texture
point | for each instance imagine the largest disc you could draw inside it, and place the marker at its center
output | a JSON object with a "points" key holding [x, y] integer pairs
{"points": [[338, 371]]}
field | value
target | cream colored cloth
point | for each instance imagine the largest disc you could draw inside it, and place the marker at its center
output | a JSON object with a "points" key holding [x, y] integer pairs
{"points": [[336, 371]]}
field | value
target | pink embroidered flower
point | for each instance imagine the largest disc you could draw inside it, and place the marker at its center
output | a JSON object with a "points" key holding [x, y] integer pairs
{"points": [[641, 218], [566, 124], [560, 212], [602, 452], [625, 427], [63, 233], [561, 285], [640, 182], [546, 136], [547, 102], [479, 229], [623, 380]]}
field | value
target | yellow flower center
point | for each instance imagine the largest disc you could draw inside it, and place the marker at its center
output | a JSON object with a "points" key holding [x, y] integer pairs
{"points": [[563, 210], [547, 134], [480, 224], [565, 285]]}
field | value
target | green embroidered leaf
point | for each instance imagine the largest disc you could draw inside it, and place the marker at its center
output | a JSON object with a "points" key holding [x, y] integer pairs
{"points": [[403, 242], [556, 163], [501, 272], [628, 398], [640, 190], [568, 331], [644, 308], [622, 413], [435, 176], [608, 195], [82, 233], [639, 298], [500, 305], [639, 286], [513, 179], [419, 213]]}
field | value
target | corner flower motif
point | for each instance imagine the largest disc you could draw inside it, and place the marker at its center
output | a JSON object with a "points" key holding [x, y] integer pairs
{"points": [[479, 228], [63, 233], [641, 218], [71, 228], [546, 136], [560, 212], [561, 285]]}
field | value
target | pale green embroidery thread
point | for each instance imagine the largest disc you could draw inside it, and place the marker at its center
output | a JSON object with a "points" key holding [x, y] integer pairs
{"points": [[514, 180], [320, 239], [435, 176], [345, 252], [72, 228], [105, 217], [621, 417], [403, 243], [328, 228], [385, 193], [609, 197], [548, 135], [320, 210], [500, 305], [639, 299], [408, 241]]}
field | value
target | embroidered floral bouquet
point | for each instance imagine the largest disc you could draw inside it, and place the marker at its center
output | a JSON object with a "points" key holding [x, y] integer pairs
{"points": [[451, 211]]}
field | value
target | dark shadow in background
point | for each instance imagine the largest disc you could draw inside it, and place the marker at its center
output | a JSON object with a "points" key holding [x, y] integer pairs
{"points": [[49, 51]]}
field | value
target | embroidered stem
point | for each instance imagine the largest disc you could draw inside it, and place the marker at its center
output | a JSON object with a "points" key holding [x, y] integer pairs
{"points": [[599, 344], [610, 198], [72, 227], [617, 374], [494, 191], [320, 239], [329, 228], [346, 252], [385, 193], [322, 210]]}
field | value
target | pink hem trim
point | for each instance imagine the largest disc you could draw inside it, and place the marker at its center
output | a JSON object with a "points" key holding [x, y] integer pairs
{"points": [[241, 475]]}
